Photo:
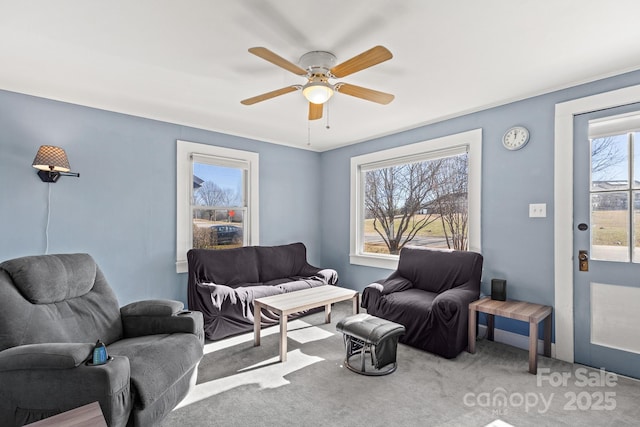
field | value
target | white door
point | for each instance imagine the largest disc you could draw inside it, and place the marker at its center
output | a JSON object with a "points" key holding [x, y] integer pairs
{"points": [[607, 240]]}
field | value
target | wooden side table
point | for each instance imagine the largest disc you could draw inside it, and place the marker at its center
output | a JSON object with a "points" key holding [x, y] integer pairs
{"points": [[519, 310], [84, 416]]}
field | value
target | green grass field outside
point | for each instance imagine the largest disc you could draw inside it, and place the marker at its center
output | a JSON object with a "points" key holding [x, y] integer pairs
{"points": [[610, 228], [434, 230]]}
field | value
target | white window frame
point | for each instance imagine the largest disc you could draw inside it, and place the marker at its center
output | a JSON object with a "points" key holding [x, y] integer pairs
{"points": [[470, 141], [185, 151]]}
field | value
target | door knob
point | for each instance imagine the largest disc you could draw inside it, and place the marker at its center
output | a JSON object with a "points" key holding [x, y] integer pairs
{"points": [[583, 260]]}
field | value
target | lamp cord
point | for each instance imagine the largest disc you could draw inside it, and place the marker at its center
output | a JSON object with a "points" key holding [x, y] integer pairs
{"points": [[46, 230]]}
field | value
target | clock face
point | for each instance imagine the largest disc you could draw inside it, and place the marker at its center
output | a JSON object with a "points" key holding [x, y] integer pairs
{"points": [[515, 138]]}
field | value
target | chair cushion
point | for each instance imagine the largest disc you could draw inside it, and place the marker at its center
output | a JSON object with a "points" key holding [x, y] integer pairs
{"points": [[409, 305], [55, 278], [157, 362], [368, 328]]}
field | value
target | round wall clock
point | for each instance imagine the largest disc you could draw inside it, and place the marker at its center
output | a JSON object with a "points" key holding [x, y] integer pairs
{"points": [[515, 138]]}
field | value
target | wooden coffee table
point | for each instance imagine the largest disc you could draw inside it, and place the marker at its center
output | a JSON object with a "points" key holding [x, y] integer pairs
{"points": [[294, 302], [512, 309], [84, 416]]}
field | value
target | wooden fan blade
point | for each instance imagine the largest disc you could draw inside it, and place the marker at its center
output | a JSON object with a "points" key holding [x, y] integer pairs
{"points": [[367, 59], [364, 93], [267, 55], [315, 111], [269, 95]]}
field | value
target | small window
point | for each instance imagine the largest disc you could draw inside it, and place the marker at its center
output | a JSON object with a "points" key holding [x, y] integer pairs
{"points": [[217, 199], [425, 194]]}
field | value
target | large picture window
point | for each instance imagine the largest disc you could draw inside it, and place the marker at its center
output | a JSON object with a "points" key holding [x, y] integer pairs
{"points": [[217, 199], [425, 194]]}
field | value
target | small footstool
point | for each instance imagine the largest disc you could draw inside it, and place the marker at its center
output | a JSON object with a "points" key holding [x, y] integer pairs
{"points": [[363, 334]]}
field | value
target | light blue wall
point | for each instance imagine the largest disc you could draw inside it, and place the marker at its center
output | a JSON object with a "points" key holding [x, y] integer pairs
{"points": [[122, 209], [515, 247]]}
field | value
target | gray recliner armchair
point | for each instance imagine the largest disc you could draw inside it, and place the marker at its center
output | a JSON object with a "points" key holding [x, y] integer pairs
{"points": [[429, 294], [53, 309]]}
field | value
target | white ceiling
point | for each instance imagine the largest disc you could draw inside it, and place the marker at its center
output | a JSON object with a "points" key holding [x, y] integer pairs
{"points": [[186, 61]]}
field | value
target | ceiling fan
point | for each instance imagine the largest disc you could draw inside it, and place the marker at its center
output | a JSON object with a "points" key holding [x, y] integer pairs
{"points": [[319, 67]]}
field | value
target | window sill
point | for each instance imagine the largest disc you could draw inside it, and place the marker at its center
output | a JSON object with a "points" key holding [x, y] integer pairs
{"points": [[182, 267], [380, 261]]}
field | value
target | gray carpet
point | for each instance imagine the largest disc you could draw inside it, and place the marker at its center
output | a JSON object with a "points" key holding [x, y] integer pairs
{"points": [[242, 385]]}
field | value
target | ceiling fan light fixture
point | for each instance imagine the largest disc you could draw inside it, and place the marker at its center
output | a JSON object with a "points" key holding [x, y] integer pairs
{"points": [[317, 92]]}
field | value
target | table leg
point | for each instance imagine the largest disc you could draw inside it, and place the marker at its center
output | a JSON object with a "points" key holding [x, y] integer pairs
{"points": [[283, 337], [356, 303], [547, 336], [257, 310], [533, 347], [490, 326], [327, 313], [472, 330]]}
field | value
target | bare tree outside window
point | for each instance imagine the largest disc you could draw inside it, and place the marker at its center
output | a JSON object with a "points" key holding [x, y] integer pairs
{"points": [[451, 201], [422, 203], [211, 194], [608, 153], [218, 214]]}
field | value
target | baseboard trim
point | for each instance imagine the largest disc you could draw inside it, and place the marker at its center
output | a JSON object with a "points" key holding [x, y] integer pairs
{"points": [[515, 340]]}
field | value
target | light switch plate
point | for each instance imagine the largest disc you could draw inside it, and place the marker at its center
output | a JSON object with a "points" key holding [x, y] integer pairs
{"points": [[537, 210]]}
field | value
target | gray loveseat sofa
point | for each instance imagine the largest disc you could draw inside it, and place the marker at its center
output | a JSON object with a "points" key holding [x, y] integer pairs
{"points": [[223, 283], [53, 309]]}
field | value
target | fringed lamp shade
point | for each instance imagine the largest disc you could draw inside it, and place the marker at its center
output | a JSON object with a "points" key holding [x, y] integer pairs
{"points": [[50, 158]]}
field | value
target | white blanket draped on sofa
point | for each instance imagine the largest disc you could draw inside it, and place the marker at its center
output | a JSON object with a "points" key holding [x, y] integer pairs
{"points": [[224, 283]]}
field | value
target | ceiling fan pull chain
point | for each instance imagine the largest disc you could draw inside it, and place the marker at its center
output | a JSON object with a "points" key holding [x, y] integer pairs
{"points": [[308, 133], [327, 125]]}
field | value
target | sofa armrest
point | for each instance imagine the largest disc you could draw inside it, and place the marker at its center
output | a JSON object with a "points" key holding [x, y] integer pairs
{"points": [[454, 302], [160, 317], [152, 308], [45, 356], [393, 283], [50, 378], [329, 275]]}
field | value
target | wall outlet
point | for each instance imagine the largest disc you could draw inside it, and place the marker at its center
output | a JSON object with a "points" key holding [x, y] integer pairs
{"points": [[537, 210]]}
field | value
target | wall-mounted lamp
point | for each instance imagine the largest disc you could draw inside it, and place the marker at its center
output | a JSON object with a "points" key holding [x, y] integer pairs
{"points": [[52, 163]]}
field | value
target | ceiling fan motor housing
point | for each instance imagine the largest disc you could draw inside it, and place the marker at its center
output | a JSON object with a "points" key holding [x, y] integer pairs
{"points": [[318, 62]]}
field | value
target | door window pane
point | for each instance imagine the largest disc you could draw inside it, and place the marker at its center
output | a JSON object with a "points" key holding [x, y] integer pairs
{"points": [[636, 160], [610, 226], [610, 163], [636, 225]]}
